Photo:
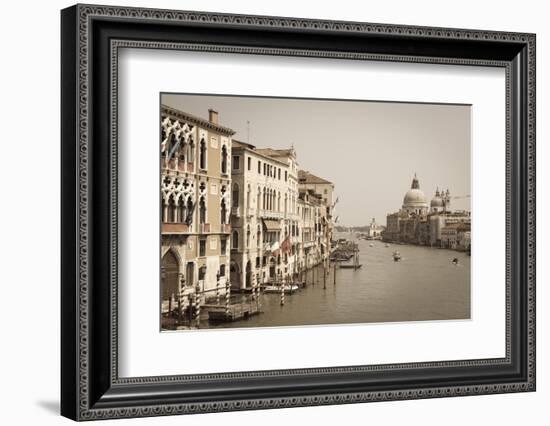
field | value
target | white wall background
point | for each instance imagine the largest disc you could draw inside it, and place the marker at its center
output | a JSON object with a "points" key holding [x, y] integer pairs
{"points": [[29, 211]]}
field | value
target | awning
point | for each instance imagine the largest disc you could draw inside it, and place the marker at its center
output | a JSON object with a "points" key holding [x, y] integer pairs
{"points": [[271, 225]]}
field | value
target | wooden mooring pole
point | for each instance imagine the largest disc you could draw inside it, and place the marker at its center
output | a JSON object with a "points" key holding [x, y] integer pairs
{"points": [[282, 284], [227, 298], [218, 288], [325, 272]]}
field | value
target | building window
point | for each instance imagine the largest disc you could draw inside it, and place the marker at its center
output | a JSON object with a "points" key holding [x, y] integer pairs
{"points": [[249, 163], [235, 240], [222, 270], [286, 175], [191, 151], [171, 209], [248, 237], [223, 246], [202, 210], [279, 174], [182, 213], [202, 155], [223, 213], [236, 164], [202, 247], [224, 159], [235, 196], [257, 261], [259, 167], [202, 273]]}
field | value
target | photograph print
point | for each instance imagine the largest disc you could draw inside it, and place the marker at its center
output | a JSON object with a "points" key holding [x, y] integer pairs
{"points": [[301, 212]]}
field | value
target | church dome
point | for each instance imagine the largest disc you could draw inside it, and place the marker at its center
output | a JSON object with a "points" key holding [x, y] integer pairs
{"points": [[414, 197], [436, 202]]}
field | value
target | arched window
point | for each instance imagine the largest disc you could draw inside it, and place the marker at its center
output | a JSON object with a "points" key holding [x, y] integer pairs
{"points": [[248, 236], [259, 236], [224, 159], [171, 209], [235, 240], [235, 195], [182, 210], [248, 197], [202, 273], [191, 151], [202, 210], [223, 212], [202, 155], [189, 212]]}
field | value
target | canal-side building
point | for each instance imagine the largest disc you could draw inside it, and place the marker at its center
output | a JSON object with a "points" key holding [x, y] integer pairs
{"points": [[262, 211], [289, 242], [456, 236], [309, 251], [195, 203], [323, 191], [433, 224]]}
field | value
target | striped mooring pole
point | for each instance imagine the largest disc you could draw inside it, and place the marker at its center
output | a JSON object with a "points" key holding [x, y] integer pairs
{"points": [[198, 306], [253, 281], [259, 303], [282, 284], [227, 297], [218, 288]]}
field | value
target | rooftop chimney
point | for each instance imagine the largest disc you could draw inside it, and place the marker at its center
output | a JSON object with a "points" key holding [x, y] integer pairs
{"points": [[213, 116]]}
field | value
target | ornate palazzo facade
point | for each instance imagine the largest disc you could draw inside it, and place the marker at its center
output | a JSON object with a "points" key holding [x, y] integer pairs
{"points": [[196, 199]]}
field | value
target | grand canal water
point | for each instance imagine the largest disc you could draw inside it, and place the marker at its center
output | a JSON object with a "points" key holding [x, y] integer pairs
{"points": [[424, 285]]}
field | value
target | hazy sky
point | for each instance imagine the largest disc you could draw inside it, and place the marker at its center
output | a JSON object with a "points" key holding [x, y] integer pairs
{"points": [[369, 150]]}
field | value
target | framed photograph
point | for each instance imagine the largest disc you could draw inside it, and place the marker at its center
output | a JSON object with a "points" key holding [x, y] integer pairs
{"points": [[263, 212]]}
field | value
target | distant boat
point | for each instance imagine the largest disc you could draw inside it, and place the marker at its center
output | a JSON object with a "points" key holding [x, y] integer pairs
{"points": [[277, 288], [371, 245], [387, 245], [396, 256], [455, 261]]}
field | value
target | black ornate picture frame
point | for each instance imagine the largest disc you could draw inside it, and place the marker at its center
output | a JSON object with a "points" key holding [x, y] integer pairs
{"points": [[91, 37]]}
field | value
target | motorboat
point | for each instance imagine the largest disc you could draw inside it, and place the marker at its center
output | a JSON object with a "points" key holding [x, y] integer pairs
{"points": [[288, 288], [396, 256]]}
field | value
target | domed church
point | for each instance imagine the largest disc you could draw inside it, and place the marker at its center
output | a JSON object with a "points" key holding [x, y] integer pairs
{"points": [[441, 202], [415, 201]]}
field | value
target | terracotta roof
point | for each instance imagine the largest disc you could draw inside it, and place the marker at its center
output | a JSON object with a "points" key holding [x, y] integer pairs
{"points": [[236, 145], [275, 153], [306, 177], [239, 144]]}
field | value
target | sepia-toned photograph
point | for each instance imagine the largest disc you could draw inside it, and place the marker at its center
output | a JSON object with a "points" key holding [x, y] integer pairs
{"points": [[300, 212]]}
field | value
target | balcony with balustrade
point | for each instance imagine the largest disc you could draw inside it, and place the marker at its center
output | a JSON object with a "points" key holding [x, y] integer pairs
{"points": [[173, 228], [270, 214]]}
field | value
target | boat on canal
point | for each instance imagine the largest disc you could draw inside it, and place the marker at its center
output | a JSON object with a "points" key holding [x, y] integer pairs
{"points": [[396, 256], [288, 288]]}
